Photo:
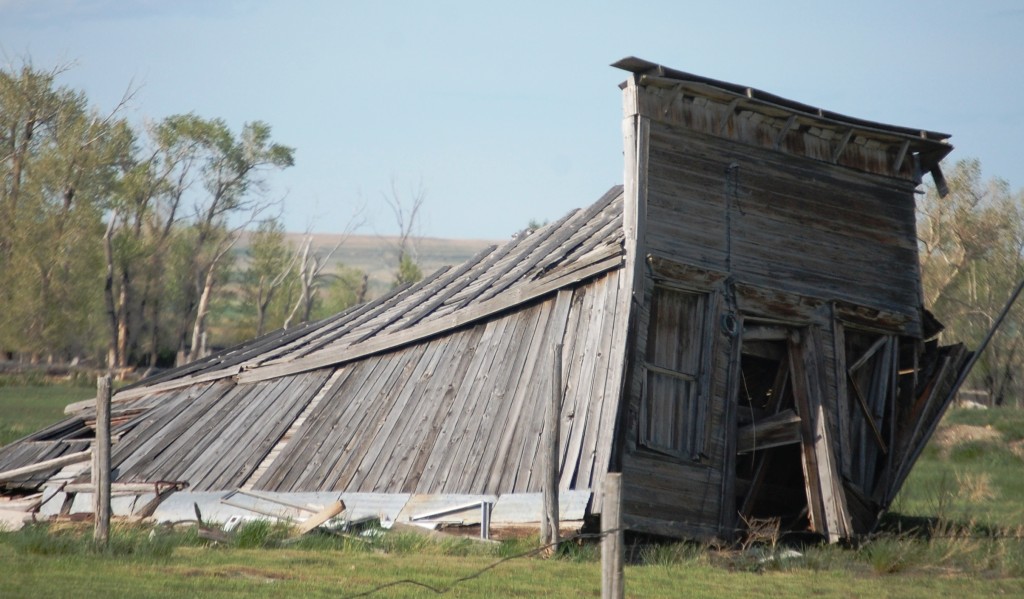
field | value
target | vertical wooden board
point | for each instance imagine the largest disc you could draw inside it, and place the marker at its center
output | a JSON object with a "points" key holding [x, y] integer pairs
{"points": [[255, 441], [381, 439], [575, 333], [833, 493], [309, 444], [803, 402], [493, 438], [431, 415], [536, 391], [305, 429], [224, 437], [585, 356], [842, 399], [435, 467], [466, 452], [498, 399], [390, 441], [131, 455], [551, 328], [347, 458], [349, 442], [346, 407], [202, 449], [333, 376], [611, 409], [450, 458], [526, 430], [598, 427]]}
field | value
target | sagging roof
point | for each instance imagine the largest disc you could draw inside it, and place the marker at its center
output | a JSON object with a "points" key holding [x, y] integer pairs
{"points": [[580, 244], [312, 408], [927, 148]]}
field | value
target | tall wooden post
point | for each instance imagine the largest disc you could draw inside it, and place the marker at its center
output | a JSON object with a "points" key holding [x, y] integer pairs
{"points": [[612, 583], [549, 520], [101, 462]]}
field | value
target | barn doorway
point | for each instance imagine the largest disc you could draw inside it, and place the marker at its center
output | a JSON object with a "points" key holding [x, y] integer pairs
{"points": [[783, 457], [769, 477]]}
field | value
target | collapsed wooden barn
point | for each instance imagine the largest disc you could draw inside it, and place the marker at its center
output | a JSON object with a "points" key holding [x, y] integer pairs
{"points": [[742, 331]]}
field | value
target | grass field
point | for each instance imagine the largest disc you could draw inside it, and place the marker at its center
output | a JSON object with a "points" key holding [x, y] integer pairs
{"points": [[956, 530], [25, 409]]}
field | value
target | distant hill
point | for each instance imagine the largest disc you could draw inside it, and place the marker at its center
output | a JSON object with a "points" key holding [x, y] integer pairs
{"points": [[377, 255]]}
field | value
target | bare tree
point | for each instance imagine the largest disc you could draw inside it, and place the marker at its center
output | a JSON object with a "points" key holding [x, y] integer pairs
{"points": [[406, 212], [311, 267]]}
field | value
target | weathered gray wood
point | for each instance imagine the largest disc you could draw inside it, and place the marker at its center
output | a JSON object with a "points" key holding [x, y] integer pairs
{"points": [[549, 524], [389, 447], [500, 463], [101, 463], [514, 297], [497, 395], [612, 408], [65, 460], [773, 431], [612, 541]]}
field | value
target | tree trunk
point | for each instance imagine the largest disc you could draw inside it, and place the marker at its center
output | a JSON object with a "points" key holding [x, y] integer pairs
{"points": [[108, 294], [200, 324]]}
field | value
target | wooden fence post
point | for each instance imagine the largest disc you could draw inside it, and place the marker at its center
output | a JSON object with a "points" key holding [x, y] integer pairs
{"points": [[549, 519], [101, 462], [612, 583]]}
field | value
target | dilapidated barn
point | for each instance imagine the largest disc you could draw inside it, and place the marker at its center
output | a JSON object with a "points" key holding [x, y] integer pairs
{"points": [[742, 338]]}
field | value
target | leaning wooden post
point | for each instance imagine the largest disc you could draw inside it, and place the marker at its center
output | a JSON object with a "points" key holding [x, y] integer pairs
{"points": [[101, 462], [549, 520], [612, 583]]}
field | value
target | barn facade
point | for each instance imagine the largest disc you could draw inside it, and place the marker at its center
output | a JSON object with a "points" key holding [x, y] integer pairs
{"points": [[741, 329]]}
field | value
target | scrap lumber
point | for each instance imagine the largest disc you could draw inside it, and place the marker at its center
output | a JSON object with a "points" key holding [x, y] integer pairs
{"points": [[320, 517], [65, 460]]}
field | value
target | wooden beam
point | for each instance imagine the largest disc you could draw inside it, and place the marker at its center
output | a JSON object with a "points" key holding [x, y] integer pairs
{"points": [[867, 414], [901, 155], [782, 132], [774, 431], [843, 142], [867, 354], [730, 110], [64, 460], [549, 521], [612, 541], [101, 463]]}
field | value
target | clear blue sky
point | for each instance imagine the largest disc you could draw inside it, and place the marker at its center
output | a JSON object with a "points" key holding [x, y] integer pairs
{"points": [[509, 112]]}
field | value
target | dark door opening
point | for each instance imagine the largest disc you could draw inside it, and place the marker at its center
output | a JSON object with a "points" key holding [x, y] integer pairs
{"points": [[769, 475]]}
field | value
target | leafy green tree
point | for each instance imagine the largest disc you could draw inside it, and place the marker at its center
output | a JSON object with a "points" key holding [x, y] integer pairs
{"points": [[58, 169], [972, 256], [270, 268], [229, 171]]}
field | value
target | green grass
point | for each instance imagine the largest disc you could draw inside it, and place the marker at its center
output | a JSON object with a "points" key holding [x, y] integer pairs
{"points": [[146, 562], [26, 409], [956, 529], [978, 482]]}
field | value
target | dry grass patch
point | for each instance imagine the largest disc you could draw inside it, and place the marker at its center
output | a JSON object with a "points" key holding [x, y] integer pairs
{"points": [[949, 437]]}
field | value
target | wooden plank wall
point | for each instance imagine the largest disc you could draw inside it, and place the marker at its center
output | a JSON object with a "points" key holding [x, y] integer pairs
{"points": [[797, 225], [460, 413], [212, 436], [668, 495]]}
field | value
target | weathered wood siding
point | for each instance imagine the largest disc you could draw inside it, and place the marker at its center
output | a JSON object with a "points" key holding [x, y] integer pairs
{"points": [[681, 495], [213, 436], [781, 222], [459, 413], [776, 211]]}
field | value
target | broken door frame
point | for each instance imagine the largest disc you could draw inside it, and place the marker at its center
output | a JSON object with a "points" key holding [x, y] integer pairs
{"points": [[826, 500]]}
